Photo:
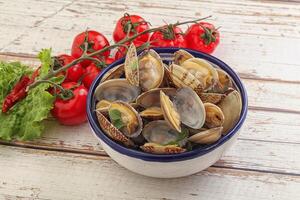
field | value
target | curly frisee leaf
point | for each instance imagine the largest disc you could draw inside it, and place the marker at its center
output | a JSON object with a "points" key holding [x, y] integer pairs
{"points": [[25, 120]]}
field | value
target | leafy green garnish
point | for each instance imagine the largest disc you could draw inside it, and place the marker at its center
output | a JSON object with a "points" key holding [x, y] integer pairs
{"points": [[116, 118], [24, 120]]}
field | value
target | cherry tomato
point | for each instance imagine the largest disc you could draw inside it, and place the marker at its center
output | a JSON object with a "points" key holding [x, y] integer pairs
{"points": [[203, 37], [71, 111], [96, 41], [138, 25], [169, 37], [75, 72], [92, 72], [109, 60]]}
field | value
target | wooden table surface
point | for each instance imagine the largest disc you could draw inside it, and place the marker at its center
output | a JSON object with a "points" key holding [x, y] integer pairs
{"points": [[260, 40]]}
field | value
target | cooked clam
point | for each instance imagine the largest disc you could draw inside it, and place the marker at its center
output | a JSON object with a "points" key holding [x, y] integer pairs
{"points": [[203, 71], [181, 55], [113, 73], [125, 118], [231, 106], [214, 115], [160, 149], [117, 90], [131, 66], [151, 70], [160, 132], [162, 139], [153, 113], [190, 108], [110, 130], [169, 111], [151, 97], [224, 82], [208, 136], [183, 78]]}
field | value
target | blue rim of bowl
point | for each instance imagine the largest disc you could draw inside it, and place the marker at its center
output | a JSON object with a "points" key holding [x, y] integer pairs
{"points": [[92, 118]]}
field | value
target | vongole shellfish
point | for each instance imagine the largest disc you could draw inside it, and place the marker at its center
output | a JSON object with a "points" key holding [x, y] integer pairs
{"points": [[161, 139], [231, 107], [122, 122], [181, 55], [146, 70], [183, 78], [203, 71], [117, 90], [174, 118], [113, 73], [224, 82]]}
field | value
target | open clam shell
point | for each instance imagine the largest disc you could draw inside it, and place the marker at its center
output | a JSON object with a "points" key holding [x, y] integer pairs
{"points": [[151, 70], [208, 136], [110, 130], [224, 82], [125, 118], [183, 78], [170, 112], [181, 55], [152, 113], [151, 97], [190, 108], [131, 66], [231, 106], [117, 90], [203, 71], [113, 73], [160, 132], [214, 115], [160, 149]]}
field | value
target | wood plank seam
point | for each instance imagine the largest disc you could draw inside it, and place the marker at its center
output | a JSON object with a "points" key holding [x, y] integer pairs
{"points": [[105, 156]]}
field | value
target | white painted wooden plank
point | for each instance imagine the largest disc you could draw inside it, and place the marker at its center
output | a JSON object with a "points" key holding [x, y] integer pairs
{"points": [[36, 174], [257, 39]]}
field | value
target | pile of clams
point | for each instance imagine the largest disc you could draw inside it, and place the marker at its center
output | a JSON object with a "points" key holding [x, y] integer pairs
{"points": [[166, 109]]}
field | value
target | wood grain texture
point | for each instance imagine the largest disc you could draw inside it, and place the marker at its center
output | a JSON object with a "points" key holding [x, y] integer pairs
{"points": [[53, 175], [260, 39]]}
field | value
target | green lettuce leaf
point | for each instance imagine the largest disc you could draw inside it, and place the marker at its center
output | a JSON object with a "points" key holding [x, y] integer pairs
{"points": [[25, 120]]}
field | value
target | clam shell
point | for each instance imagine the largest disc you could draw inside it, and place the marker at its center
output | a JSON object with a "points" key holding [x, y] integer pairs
{"points": [[214, 98], [224, 82], [111, 131], [203, 71], [117, 90], [170, 112], [151, 70], [113, 73], [190, 108], [231, 106], [152, 113], [160, 149], [131, 66], [181, 55], [214, 115], [151, 97], [161, 133], [130, 117], [183, 78], [207, 137]]}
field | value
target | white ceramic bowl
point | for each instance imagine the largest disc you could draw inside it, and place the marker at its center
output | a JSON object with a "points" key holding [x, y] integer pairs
{"points": [[175, 165]]}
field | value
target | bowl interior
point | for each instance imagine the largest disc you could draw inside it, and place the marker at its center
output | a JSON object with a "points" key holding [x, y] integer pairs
{"points": [[167, 56]]}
